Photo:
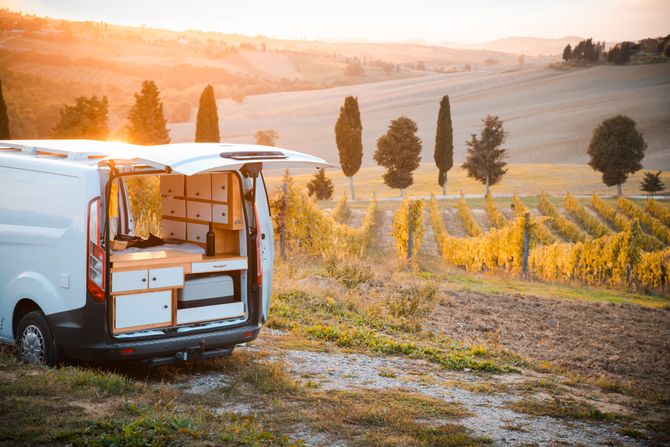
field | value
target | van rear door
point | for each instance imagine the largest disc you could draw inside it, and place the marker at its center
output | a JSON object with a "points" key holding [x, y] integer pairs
{"points": [[267, 257]]}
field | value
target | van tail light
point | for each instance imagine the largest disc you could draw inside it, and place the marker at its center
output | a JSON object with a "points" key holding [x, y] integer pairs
{"points": [[95, 254], [259, 257]]}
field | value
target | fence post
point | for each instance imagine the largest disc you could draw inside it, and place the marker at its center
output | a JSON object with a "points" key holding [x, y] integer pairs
{"points": [[526, 249], [282, 222], [409, 231]]}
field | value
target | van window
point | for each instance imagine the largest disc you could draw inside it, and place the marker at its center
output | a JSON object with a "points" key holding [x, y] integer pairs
{"points": [[38, 198]]}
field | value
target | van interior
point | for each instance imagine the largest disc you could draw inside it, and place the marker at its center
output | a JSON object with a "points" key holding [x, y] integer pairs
{"points": [[167, 281]]}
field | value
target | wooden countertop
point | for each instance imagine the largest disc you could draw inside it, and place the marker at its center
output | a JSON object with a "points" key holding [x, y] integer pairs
{"points": [[161, 258]]}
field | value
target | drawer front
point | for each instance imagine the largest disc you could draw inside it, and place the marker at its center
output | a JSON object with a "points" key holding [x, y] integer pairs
{"points": [[220, 187], [173, 207], [172, 185], [199, 211], [206, 313], [219, 266], [197, 232], [173, 229], [166, 277], [199, 186], [143, 309], [132, 280], [220, 213]]}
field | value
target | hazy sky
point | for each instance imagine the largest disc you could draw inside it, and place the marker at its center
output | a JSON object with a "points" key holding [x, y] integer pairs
{"points": [[465, 21]]}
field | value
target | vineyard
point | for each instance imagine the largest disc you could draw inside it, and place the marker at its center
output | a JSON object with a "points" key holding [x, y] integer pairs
{"points": [[594, 241]]}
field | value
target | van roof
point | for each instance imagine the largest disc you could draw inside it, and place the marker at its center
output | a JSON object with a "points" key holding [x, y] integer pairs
{"points": [[181, 158]]}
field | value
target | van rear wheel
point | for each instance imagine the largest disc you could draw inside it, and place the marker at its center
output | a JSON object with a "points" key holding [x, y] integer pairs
{"points": [[34, 341]]}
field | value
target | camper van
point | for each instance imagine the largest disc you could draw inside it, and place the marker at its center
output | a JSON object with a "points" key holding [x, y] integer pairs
{"points": [[78, 281]]}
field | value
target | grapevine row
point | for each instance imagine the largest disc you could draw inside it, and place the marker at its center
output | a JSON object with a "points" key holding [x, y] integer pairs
{"points": [[568, 230], [658, 211], [652, 224], [496, 217], [592, 224], [620, 221], [408, 218], [541, 232], [469, 223]]}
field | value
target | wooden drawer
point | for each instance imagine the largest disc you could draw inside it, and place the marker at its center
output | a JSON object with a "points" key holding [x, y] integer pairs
{"points": [[131, 280], [197, 232], [219, 266], [166, 277], [220, 187], [142, 310], [220, 214], [199, 186], [199, 211], [173, 207], [172, 185], [207, 313], [173, 229]]}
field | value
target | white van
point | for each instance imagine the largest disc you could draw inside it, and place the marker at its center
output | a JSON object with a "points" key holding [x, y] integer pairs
{"points": [[76, 282]]}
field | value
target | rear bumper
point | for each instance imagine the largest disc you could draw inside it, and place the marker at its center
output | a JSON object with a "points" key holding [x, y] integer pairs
{"points": [[162, 347]]}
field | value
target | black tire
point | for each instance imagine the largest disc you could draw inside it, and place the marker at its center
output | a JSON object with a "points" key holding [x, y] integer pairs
{"points": [[34, 341]]}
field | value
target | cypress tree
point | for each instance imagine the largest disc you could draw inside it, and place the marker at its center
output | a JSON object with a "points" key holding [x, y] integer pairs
{"points": [[207, 123], [4, 119], [348, 136], [444, 143], [147, 123], [399, 151]]}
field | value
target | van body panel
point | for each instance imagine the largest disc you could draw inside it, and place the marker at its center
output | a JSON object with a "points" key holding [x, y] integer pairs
{"points": [[46, 187]]}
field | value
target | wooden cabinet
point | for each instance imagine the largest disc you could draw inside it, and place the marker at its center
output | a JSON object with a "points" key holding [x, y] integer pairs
{"points": [[142, 310], [189, 203]]}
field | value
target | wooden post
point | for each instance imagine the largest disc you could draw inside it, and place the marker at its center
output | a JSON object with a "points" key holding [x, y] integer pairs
{"points": [[526, 248], [282, 222], [409, 231]]}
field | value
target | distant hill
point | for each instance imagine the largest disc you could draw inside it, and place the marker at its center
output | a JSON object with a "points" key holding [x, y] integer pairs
{"points": [[550, 114], [530, 46]]}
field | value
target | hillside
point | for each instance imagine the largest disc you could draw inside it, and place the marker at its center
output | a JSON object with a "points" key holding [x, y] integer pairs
{"points": [[550, 114]]}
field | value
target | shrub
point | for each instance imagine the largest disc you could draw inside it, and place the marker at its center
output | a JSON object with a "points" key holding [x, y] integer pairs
{"points": [[413, 301]]}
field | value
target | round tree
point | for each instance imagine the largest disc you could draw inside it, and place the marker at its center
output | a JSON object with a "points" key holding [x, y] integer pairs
{"points": [[399, 151], [616, 150], [485, 159]]}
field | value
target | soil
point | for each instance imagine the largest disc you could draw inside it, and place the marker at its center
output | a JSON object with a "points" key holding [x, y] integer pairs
{"points": [[627, 342]]}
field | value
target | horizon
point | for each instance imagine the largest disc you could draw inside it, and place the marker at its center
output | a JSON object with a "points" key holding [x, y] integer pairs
{"points": [[522, 19]]}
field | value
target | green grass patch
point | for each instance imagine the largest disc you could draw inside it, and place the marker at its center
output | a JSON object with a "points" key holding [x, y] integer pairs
{"points": [[346, 326]]}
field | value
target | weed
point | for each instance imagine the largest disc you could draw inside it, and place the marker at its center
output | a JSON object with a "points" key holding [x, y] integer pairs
{"points": [[413, 301], [348, 273]]}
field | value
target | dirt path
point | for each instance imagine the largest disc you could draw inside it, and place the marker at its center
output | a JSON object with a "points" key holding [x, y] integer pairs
{"points": [[626, 342], [489, 412]]}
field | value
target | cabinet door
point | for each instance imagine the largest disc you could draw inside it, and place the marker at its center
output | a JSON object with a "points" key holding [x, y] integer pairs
{"points": [[172, 185], [199, 211], [173, 229], [173, 207], [132, 280], [220, 187], [199, 186], [166, 277], [197, 232], [220, 214], [143, 309]]}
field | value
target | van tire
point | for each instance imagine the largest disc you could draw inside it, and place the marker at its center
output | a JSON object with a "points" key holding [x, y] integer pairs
{"points": [[34, 341]]}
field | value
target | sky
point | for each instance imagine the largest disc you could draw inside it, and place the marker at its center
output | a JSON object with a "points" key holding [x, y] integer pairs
{"points": [[459, 21]]}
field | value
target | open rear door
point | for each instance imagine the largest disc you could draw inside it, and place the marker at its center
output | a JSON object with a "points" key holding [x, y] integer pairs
{"points": [[195, 158]]}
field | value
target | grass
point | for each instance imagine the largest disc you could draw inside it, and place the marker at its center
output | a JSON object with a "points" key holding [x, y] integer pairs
{"points": [[563, 408], [550, 178]]}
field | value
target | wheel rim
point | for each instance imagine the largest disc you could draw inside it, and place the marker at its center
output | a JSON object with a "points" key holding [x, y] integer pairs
{"points": [[32, 344]]}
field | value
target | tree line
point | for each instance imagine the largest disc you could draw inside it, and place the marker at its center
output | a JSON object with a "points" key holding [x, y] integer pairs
{"points": [[616, 149]]}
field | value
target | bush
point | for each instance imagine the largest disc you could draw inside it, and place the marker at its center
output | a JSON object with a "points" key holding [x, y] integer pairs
{"points": [[413, 301]]}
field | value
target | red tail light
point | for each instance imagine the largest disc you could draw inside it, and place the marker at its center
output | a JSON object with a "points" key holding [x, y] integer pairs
{"points": [[95, 254], [259, 257]]}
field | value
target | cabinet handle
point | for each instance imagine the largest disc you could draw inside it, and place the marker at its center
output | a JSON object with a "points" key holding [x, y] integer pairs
{"points": [[153, 279], [197, 193], [219, 266], [171, 234], [197, 237], [171, 211], [144, 280], [165, 306], [197, 215]]}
